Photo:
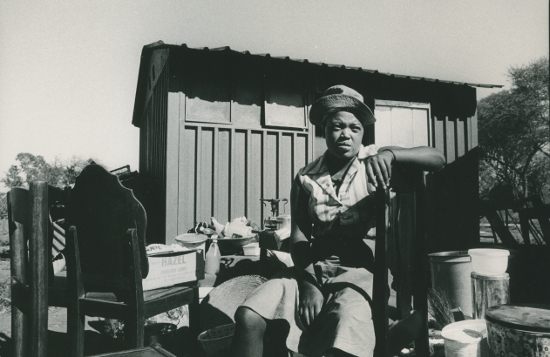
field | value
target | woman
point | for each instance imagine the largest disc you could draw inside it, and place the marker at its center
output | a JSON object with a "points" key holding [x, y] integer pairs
{"points": [[323, 301]]}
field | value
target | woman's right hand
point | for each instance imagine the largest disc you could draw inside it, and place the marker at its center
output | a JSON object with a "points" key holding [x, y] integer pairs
{"points": [[311, 302]]}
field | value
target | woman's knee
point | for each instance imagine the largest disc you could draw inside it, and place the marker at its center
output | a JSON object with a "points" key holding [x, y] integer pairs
{"points": [[250, 320]]}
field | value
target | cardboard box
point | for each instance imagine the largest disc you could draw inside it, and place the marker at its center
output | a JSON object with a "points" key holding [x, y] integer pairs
{"points": [[174, 268]]}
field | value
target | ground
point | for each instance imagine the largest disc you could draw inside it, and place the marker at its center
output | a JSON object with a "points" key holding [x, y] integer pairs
{"points": [[95, 343], [57, 316]]}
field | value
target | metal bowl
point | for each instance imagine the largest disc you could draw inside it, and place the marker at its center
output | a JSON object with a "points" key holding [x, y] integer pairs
{"points": [[229, 246], [192, 240]]}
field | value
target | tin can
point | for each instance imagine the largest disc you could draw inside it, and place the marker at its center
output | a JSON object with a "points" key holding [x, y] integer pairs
{"points": [[519, 330], [489, 291]]}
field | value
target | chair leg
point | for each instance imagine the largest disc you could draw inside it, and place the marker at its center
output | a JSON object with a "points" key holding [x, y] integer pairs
{"points": [[38, 259], [75, 331], [75, 317], [422, 343], [134, 331], [194, 322], [18, 331]]}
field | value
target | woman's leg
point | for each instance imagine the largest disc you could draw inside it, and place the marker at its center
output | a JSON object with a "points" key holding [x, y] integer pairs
{"points": [[248, 340]]}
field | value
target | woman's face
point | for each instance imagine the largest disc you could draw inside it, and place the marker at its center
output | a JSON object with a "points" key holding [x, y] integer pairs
{"points": [[343, 135]]}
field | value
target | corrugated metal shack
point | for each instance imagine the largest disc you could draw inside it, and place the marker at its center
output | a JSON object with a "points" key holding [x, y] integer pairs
{"points": [[220, 129]]}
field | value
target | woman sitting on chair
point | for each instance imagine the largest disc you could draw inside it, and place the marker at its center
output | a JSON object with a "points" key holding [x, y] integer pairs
{"points": [[324, 298]]}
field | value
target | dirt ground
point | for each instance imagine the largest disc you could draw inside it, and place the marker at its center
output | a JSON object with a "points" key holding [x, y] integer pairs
{"points": [[95, 343]]}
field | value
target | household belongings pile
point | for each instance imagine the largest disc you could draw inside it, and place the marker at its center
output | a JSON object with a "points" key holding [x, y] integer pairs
{"points": [[172, 264]]}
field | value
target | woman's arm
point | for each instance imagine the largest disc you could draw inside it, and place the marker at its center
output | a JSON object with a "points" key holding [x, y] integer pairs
{"points": [[379, 166], [424, 158], [311, 298]]}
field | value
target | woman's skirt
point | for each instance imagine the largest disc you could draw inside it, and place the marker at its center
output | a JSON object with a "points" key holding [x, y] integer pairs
{"points": [[345, 322]]}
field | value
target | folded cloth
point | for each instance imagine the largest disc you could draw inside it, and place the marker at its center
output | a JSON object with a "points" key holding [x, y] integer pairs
{"points": [[283, 257], [280, 235]]}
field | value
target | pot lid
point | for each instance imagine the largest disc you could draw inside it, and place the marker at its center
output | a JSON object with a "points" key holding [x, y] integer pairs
{"points": [[458, 256], [503, 276], [527, 317]]}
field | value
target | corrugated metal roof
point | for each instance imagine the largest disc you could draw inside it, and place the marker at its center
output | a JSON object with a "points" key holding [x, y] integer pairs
{"points": [[227, 48]]}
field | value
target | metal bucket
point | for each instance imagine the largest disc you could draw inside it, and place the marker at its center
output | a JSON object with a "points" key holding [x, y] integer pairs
{"points": [[450, 273]]}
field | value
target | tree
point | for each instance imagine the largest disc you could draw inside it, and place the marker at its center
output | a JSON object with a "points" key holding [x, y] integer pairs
{"points": [[31, 167], [514, 132], [12, 178]]}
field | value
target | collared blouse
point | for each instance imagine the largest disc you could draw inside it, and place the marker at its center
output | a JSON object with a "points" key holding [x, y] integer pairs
{"points": [[346, 209]]}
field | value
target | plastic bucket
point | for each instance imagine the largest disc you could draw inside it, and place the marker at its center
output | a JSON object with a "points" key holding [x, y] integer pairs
{"points": [[463, 339], [451, 273]]}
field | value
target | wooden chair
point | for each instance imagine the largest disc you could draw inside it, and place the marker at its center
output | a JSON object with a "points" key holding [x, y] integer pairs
{"points": [[401, 244], [106, 261], [33, 287], [407, 231]]}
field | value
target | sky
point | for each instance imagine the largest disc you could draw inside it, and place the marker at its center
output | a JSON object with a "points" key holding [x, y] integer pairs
{"points": [[68, 69]]}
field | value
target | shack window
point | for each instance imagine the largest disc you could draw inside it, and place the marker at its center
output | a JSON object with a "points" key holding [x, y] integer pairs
{"points": [[207, 88], [403, 124], [247, 99], [285, 96]]}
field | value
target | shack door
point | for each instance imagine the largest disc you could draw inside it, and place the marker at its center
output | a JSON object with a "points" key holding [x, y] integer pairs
{"points": [[403, 124]]}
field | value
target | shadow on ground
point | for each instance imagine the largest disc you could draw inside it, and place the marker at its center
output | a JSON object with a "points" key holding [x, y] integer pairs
{"points": [[95, 343]]}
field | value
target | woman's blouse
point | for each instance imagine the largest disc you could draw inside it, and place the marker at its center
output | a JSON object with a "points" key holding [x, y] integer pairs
{"points": [[348, 207]]}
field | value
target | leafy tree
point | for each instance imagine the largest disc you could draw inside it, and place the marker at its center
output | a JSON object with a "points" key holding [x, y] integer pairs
{"points": [[514, 132], [12, 178], [33, 167]]}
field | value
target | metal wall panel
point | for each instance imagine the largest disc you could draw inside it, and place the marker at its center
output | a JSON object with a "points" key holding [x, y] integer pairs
{"points": [[473, 130], [460, 139], [234, 168], [254, 171], [152, 160], [238, 177], [172, 164], [439, 135], [187, 176], [205, 173], [450, 139]]}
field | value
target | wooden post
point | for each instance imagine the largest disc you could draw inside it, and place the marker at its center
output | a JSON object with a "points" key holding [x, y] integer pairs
{"points": [[17, 207], [38, 259], [380, 293]]}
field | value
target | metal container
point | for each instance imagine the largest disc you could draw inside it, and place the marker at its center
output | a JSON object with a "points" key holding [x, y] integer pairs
{"points": [[450, 272], [489, 291], [519, 330]]}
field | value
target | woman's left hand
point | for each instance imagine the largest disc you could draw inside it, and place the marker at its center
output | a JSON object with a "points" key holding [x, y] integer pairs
{"points": [[379, 168]]}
